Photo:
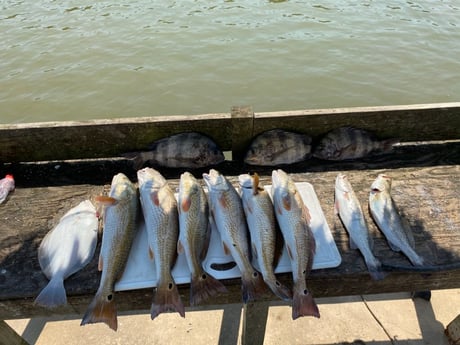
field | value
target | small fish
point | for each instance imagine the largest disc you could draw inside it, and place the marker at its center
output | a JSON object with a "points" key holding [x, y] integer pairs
{"points": [[120, 217], [294, 219], [228, 215], [350, 143], [194, 237], [159, 207], [184, 150], [6, 186], [387, 218], [351, 214], [276, 147], [65, 250], [263, 229]]}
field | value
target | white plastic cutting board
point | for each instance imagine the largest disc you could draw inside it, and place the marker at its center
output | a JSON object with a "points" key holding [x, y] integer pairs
{"points": [[140, 271]]}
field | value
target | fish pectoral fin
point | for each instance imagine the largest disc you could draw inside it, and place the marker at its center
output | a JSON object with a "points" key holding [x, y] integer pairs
{"points": [[105, 200], [100, 264], [185, 204], [154, 198], [286, 201]]}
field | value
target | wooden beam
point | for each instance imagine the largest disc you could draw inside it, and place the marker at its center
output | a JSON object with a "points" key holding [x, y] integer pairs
{"points": [[8, 336]]}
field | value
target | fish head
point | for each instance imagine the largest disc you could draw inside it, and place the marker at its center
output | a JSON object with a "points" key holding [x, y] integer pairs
{"points": [[381, 183], [213, 155], [215, 181], [188, 183], [121, 187], [342, 183], [150, 179], [245, 181], [327, 149]]}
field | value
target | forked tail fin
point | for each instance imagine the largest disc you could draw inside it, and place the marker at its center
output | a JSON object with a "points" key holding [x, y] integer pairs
{"points": [[303, 304], [166, 298], [101, 309], [203, 286]]}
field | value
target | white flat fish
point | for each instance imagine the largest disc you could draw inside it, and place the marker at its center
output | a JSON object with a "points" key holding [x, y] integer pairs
{"points": [[65, 250]]}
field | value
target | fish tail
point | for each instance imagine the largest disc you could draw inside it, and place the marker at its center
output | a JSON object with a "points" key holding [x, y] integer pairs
{"points": [[136, 158], [387, 145], [253, 286], [101, 310], [375, 269], [303, 304], [280, 290], [416, 260], [166, 298], [203, 286], [53, 294]]}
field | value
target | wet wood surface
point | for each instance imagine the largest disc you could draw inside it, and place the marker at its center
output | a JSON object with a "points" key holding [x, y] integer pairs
{"points": [[426, 185]]}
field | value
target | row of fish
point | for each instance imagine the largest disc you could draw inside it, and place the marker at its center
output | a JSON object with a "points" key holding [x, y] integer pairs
{"points": [[385, 214], [182, 226], [270, 148]]}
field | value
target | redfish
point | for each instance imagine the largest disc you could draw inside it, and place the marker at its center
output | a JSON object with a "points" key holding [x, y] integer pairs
{"points": [[194, 237], [159, 207], [352, 216], [294, 219], [263, 229], [227, 212], [387, 218], [120, 217]]}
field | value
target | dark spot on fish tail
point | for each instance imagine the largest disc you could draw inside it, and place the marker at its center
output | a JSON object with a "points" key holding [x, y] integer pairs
{"points": [[109, 297], [304, 272], [305, 292], [277, 283], [204, 276], [170, 286], [255, 274]]}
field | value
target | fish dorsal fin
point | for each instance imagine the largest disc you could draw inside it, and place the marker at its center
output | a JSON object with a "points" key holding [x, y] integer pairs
{"points": [[255, 184], [180, 247], [100, 264]]}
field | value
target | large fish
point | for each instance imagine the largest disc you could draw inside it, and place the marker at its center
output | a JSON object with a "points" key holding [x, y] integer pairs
{"points": [[294, 219], [227, 212], [184, 150], [159, 207], [260, 217], [120, 217], [350, 143], [387, 218], [194, 237], [276, 147], [351, 214], [65, 250]]}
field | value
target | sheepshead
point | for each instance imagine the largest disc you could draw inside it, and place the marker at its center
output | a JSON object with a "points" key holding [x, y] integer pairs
{"points": [[294, 219], [228, 215], [387, 218], [263, 231], [351, 214], [65, 250], [277, 146], [194, 237], [184, 150], [120, 217], [159, 207], [350, 143]]}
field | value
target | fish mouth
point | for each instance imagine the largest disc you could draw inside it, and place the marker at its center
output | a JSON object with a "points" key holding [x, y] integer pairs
{"points": [[245, 181]]}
